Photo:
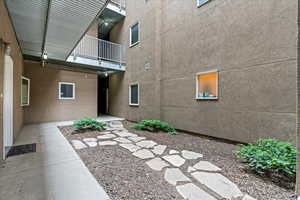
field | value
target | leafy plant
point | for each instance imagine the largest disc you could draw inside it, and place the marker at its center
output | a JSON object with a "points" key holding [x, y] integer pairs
{"points": [[154, 126], [89, 123], [268, 155]]}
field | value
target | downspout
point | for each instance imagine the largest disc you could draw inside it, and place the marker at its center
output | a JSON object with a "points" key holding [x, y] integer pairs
{"points": [[298, 109]]}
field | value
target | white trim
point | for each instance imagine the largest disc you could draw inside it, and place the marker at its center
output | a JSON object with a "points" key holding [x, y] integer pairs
{"points": [[138, 97], [130, 33], [217, 84], [28, 92], [59, 91]]}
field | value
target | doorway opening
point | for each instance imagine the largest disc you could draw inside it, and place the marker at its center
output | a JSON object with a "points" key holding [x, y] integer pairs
{"points": [[103, 85]]}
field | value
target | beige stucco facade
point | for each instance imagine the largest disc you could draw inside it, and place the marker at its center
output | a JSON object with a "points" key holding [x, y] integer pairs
{"points": [[255, 54]]}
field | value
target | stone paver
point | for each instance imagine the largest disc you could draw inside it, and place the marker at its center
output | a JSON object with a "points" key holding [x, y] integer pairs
{"points": [[172, 151], [130, 147], [92, 144], [247, 197], [143, 154], [125, 134], [175, 160], [192, 192], [174, 175], [116, 124], [159, 149], [105, 132], [191, 169], [206, 166], [146, 144], [107, 143], [219, 184], [190, 155], [107, 136], [157, 164], [77, 144], [122, 140], [90, 140], [136, 139]]}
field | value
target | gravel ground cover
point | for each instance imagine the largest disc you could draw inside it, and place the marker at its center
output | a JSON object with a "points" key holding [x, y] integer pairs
{"points": [[125, 177]]}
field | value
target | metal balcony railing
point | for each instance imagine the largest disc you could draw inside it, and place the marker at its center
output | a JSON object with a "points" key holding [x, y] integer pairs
{"points": [[97, 49], [120, 3]]}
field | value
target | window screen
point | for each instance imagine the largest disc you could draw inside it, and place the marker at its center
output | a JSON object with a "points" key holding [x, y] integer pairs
{"points": [[134, 94], [25, 91], [67, 90], [134, 34]]}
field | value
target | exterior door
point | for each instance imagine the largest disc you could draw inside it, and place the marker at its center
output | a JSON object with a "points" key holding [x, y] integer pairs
{"points": [[8, 104]]}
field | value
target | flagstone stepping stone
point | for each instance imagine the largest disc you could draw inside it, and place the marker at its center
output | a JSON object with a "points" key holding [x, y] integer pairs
{"points": [[106, 132], [107, 136], [219, 184], [125, 134], [107, 143], [190, 155], [247, 197], [146, 144], [130, 147], [143, 154], [122, 140], [191, 169], [174, 175], [90, 140], [192, 192], [116, 124], [136, 139], [92, 144], [159, 149], [206, 166], [175, 160], [77, 144], [172, 151], [157, 164]]}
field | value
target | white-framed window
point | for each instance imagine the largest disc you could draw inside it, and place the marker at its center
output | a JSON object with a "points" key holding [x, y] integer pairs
{"points": [[25, 91], [207, 85], [134, 96], [202, 2], [66, 90], [134, 34]]}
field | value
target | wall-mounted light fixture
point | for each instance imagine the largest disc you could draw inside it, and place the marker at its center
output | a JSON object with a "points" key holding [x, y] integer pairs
{"points": [[6, 46]]}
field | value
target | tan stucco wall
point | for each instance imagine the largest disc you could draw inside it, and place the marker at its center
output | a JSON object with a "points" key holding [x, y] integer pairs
{"points": [[7, 34], [93, 30], [255, 54], [44, 103]]}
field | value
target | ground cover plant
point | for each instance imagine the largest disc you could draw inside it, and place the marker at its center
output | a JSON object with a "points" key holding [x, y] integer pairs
{"points": [[89, 123], [270, 157], [154, 126]]}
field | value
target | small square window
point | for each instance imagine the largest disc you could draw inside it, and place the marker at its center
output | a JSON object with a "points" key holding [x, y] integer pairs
{"points": [[66, 90], [134, 34], [207, 85], [202, 2], [134, 94], [25, 91]]}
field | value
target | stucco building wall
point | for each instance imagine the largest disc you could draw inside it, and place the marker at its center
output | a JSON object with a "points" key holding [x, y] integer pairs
{"points": [[7, 35], [252, 44], [45, 105]]}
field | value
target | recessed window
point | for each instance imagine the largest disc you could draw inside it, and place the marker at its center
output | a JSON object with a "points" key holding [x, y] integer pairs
{"points": [[134, 34], [66, 90], [202, 2], [134, 94], [25, 91], [207, 85]]}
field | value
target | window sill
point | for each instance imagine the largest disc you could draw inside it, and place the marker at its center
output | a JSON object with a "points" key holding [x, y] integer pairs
{"points": [[132, 45], [66, 99], [24, 105], [206, 98], [134, 105]]}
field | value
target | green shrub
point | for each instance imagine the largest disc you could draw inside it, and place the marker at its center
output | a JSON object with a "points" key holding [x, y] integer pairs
{"points": [[269, 155], [154, 126], [89, 123]]}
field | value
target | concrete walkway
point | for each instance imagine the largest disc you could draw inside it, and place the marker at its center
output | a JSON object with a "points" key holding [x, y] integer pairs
{"points": [[54, 172]]}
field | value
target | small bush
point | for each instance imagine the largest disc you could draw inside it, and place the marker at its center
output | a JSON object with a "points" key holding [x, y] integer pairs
{"points": [[89, 123], [269, 155], [154, 126]]}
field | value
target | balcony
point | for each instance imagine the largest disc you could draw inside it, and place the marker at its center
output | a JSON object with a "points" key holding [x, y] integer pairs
{"points": [[99, 53]]}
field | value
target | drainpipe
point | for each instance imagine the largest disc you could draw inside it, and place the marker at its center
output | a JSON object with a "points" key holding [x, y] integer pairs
{"points": [[298, 109]]}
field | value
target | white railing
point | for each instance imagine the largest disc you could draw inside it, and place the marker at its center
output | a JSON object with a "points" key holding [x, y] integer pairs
{"points": [[120, 3], [97, 49]]}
